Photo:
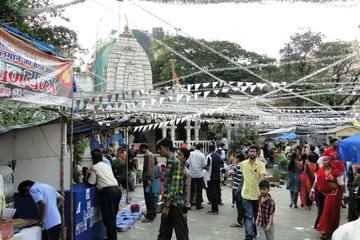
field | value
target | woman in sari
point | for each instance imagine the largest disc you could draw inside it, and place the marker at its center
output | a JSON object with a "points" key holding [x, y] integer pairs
{"points": [[310, 167], [329, 181]]}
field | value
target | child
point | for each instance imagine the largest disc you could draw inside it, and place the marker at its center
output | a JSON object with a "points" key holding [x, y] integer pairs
{"points": [[265, 217], [237, 186], [156, 183]]}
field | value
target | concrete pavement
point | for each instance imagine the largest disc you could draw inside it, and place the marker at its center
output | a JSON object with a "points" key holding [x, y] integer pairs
{"points": [[290, 224]]}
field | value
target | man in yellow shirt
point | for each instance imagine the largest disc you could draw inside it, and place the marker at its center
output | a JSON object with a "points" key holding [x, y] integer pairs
{"points": [[254, 171]]}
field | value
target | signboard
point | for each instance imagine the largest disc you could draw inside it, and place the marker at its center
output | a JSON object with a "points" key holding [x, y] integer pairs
{"points": [[29, 75]]}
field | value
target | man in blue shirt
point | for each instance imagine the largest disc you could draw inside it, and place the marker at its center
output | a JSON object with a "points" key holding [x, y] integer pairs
{"points": [[49, 202]]}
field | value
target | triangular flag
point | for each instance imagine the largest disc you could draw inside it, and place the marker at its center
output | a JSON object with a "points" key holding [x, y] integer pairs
{"points": [[225, 90], [197, 86], [189, 87], [196, 96], [136, 129], [188, 97], [214, 84], [179, 97], [156, 125], [252, 88], [239, 84], [248, 84], [116, 96], [243, 89], [261, 85], [206, 84], [206, 93], [170, 98], [109, 97], [100, 99], [177, 121], [216, 91]]}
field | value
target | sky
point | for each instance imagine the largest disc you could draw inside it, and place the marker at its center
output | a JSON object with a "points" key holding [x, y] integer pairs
{"points": [[262, 28]]}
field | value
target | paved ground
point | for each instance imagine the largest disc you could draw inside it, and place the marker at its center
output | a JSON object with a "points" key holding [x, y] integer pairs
{"points": [[290, 224]]}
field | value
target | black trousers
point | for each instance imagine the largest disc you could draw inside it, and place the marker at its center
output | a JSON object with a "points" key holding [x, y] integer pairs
{"points": [[213, 194], [320, 202], [196, 188], [109, 204], [149, 201], [52, 233], [175, 220]]}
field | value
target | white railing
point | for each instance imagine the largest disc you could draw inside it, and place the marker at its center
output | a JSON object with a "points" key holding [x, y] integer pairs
{"points": [[192, 144]]}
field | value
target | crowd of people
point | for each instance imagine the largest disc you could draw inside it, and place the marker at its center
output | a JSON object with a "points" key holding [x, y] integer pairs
{"points": [[314, 177], [316, 174]]}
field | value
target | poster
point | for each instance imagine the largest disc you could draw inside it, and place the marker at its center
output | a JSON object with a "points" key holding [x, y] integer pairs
{"points": [[29, 75]]}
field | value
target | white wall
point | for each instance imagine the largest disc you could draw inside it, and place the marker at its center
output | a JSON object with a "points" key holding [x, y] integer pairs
{"points": [[36, 151], [6, 148]]}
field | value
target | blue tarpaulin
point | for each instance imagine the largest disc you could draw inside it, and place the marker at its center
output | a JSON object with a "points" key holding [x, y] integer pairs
{"points": [[349, 149], [287, 136]]}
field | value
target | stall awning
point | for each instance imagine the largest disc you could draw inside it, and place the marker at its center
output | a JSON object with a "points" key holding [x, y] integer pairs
{"points": [[288, 136], [279, 131], [349, 149]]}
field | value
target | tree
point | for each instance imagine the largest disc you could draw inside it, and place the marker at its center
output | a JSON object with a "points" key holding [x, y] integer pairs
{"points": [[300, 47], [308, 46], [162, 69], [38, 26]]}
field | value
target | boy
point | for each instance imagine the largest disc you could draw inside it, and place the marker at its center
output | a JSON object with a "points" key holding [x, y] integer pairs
{"points": [[237, 187], [265, 217]]}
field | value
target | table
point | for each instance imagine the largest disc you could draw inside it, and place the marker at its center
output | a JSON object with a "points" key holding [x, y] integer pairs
{"points": [[31, 233]]}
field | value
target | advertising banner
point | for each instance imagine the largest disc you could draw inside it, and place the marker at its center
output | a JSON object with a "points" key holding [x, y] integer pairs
{"points": [[29, 75]]}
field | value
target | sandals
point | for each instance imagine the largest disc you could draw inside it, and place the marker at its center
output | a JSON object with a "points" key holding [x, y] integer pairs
{"points": [[236, 225]]}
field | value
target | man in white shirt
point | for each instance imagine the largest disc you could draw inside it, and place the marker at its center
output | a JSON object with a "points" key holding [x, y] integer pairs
{"points": [[101, 175], [197, 164]]}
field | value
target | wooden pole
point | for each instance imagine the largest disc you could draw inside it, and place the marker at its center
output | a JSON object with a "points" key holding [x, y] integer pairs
{"points": [[71, 171], [62, 154]]}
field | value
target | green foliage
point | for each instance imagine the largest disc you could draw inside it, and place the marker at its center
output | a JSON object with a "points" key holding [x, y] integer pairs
{"points": [[245, 136], [12, 113], [162, 68], [310, 46], [38, 26], [218, 131], [79, 151]]}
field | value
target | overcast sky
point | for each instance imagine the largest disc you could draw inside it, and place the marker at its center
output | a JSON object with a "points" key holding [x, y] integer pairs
{"points": [[263, 28]]}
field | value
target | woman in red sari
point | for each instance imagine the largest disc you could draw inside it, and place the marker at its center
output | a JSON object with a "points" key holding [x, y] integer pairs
{"points": [[329, 181]]}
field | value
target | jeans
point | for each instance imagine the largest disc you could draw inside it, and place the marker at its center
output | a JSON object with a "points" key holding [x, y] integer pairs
{"points": [[149, 201], [251, 209], [239, 206], [265, 235]]}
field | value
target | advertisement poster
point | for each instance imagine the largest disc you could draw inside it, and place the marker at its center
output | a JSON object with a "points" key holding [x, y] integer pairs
{"points": [[29, 75]]}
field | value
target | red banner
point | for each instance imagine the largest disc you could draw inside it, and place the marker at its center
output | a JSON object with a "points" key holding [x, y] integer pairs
{"points": [[29, 75]]}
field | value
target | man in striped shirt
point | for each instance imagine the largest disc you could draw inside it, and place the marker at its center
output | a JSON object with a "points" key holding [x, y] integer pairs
{"points": [[237, 176]]}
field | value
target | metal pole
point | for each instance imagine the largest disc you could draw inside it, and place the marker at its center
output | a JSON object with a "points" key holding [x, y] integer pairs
{"points": [[71, 171], [62, 153], [127, 163]]}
